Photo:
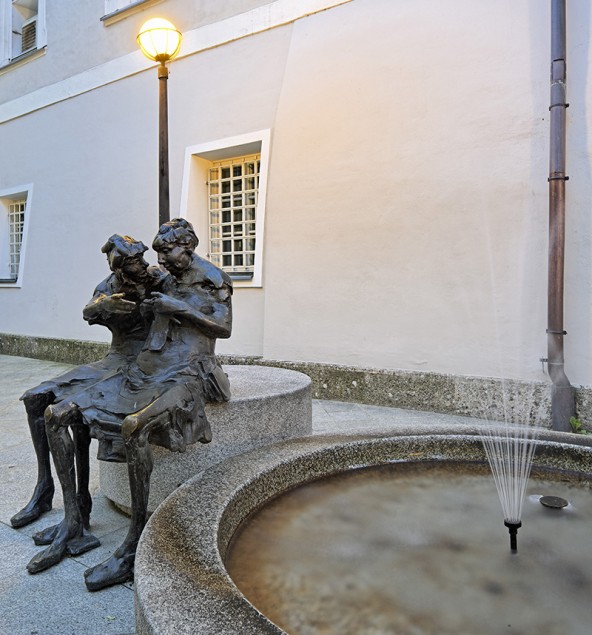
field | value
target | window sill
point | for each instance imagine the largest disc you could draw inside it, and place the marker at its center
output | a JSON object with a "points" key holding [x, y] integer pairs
{"points": [[29, 56], [243, 276], [123, 13]]}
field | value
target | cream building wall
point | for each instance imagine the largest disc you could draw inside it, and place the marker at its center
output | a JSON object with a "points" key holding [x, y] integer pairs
{"points": [[406, 207]]}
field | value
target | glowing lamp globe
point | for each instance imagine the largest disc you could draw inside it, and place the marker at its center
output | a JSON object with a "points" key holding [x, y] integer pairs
{"points": [[159, 40]]}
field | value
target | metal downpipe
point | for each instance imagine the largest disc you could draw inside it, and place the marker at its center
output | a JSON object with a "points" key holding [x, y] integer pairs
{"points": [[562, 392]]}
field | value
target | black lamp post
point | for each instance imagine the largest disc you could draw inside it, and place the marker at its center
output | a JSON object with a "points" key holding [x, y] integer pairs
{"points": [[160, 41]]}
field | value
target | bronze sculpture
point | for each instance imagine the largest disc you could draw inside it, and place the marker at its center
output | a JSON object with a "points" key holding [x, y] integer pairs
{"points": [[114, 305], [158, 398]]}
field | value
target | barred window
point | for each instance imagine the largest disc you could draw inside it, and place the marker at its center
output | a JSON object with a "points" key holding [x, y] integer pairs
{"points": [[16, 224], [224, 195], [233, 187], [13, 222]]}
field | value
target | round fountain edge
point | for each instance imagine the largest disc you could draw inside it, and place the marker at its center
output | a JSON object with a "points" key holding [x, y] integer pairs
{"points": [[181, 581]]}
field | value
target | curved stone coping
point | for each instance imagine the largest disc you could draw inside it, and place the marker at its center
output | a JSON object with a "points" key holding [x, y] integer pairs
{"points": [[182, 586], [266, 405]]}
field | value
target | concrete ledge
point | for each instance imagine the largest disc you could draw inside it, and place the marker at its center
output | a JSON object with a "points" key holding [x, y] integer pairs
{"points": [[267, 405], [433, 392], [181, 583], [52, 349]]}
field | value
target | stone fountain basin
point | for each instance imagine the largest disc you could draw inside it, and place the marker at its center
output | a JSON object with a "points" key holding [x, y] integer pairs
{"points": [[182, 585]]}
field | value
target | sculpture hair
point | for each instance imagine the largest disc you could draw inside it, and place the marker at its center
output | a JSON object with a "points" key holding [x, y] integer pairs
{"points": [[125, 245], [177, 230]]}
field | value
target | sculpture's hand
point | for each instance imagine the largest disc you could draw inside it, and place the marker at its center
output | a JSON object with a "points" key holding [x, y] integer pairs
{"points": [[165, 304], [146, 308], [116, 303]]}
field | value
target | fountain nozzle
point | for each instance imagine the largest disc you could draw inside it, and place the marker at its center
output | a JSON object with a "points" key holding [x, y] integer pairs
{"points": [[513, 529]]}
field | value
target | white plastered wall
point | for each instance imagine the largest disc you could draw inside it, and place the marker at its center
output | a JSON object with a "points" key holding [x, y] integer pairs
{"points": [[95, 174], [407, 198], [409, 191], [84, 192]]}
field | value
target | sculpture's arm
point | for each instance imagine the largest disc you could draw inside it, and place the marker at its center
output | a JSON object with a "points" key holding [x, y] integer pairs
{"points": [[217, 323]]}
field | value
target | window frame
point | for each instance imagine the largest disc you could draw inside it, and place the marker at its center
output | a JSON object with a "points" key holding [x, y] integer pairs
{"points": [[194, 191], [6, 196], [116, 10], [6, 52]]}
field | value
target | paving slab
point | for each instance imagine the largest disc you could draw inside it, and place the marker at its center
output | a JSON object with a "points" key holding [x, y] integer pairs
{"points": [[54, 602]]}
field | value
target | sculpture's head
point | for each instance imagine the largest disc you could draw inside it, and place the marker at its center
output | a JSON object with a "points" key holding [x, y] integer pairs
{"points": [[126, 255], [175, 243]]}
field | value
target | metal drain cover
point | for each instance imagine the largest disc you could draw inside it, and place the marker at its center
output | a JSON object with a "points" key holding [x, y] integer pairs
{"points": [[554, 502]]}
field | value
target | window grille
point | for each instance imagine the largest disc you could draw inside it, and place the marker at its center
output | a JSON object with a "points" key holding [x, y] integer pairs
{"points": [[29, 35], [16, 223], [233, 188]]}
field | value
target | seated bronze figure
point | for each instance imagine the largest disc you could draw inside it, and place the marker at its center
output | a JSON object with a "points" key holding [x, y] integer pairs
{"points": [[115, 304], [154, 394]]}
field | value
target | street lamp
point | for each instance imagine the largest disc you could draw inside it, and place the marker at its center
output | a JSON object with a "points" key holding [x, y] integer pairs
{"points": [[160, 41]]}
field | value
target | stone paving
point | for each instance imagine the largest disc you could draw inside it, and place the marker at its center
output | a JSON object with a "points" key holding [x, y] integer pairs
{"points": [[56, 602]]}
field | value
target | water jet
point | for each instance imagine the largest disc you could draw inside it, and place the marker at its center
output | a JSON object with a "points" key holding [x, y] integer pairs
{"points": [[510, 452]]}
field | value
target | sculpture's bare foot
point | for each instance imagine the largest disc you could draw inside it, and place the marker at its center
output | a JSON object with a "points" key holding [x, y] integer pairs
{"points": [[40, 503], [81, 544], [46, 536], [117, 569], [57, 550], [75, 547]]}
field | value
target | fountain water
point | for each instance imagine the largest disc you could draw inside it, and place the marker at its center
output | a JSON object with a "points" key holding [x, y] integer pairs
{"points": [[510, 451]]}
